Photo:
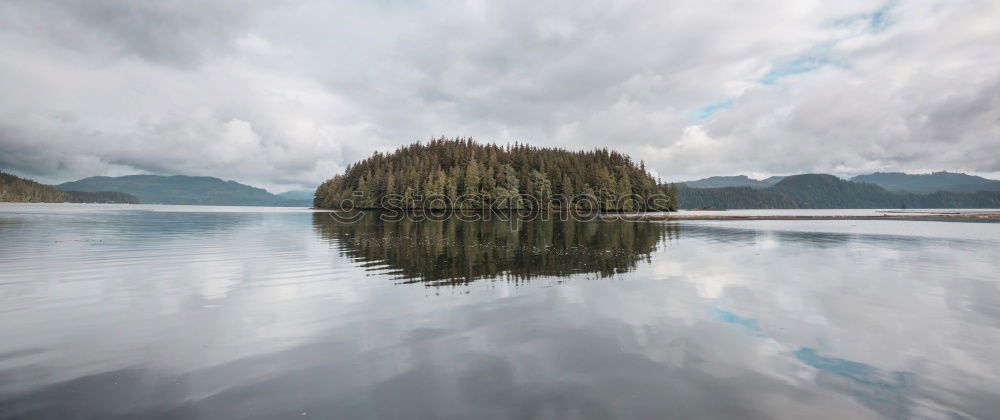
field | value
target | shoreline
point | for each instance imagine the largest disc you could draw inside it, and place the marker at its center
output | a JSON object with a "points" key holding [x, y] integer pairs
{"points": [[883, 216], [472, 211], [719, 214]]}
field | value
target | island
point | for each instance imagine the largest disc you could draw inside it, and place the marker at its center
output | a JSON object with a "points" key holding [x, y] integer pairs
{"points": [[463, 175]]}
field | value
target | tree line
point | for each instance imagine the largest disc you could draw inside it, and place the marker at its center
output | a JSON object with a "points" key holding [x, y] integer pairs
{"points": [[16, 189], [463, 174]]}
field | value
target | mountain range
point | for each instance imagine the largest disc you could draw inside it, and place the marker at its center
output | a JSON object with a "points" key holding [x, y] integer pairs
{"points": [[892, 181], [827, 191], [929, 183], [16, 189], [180, 189]]}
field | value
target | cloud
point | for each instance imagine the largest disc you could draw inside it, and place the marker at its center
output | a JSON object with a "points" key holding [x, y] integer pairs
{"points": [[178, 32], [284, 95]]}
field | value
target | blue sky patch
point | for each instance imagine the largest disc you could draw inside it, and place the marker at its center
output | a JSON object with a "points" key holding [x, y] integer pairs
{"points": [[707, 110], [877, 21], [798, 66]]}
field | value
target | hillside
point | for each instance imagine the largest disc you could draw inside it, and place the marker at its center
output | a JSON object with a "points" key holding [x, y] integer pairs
{"points": [[462, 174], [823, 191], [17, 189], [179, 189], [827, 191], [733, 198], [929, 183], [733, 181]]}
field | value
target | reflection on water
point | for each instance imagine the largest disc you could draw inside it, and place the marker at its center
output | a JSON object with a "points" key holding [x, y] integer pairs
{"points": [[882, 391], [454, 252], [167, 312]]}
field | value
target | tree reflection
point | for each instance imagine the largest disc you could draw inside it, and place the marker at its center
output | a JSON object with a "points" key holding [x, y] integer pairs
{"points": [[456, 252]]}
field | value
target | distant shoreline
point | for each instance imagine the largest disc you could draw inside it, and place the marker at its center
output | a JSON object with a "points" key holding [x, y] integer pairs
{"points": [[884, 215]]}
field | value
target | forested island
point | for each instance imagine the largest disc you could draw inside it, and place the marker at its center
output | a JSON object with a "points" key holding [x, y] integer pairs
{"points": [[461, 174], [16, 189]]}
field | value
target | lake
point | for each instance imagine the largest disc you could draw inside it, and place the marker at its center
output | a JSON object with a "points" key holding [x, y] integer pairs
{"points": [[111, 311]]}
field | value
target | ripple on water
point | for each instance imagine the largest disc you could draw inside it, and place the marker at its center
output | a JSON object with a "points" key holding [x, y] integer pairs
{"points": [[157, 311]]}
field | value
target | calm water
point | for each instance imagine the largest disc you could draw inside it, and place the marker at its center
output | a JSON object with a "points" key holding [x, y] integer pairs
{"points": [[192, 312]]}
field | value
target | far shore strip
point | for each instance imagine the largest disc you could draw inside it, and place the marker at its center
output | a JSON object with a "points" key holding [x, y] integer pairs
{"points": [[883, 215]]}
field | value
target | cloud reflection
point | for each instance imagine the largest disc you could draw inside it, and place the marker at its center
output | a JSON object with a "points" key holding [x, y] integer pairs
{"points": [[274, 315]]}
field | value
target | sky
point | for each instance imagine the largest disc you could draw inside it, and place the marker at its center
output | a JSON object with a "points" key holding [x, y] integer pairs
{"points": [[285, 94]]}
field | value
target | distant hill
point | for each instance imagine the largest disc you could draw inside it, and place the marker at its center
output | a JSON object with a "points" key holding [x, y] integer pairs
{"points": [[733, 198], [929, 183], [892, 181], [827, 191], [306, 195], [179, 189], [733, 181], [17, 189]]}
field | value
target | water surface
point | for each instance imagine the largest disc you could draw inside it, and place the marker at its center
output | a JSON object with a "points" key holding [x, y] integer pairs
{"points": [[222, 312]]}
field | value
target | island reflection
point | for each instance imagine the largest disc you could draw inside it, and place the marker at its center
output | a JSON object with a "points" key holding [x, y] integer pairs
{"points": [[456, 252]]}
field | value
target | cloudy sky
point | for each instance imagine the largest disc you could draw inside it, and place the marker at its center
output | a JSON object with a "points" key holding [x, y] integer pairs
{"points": [[284, 94]]}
